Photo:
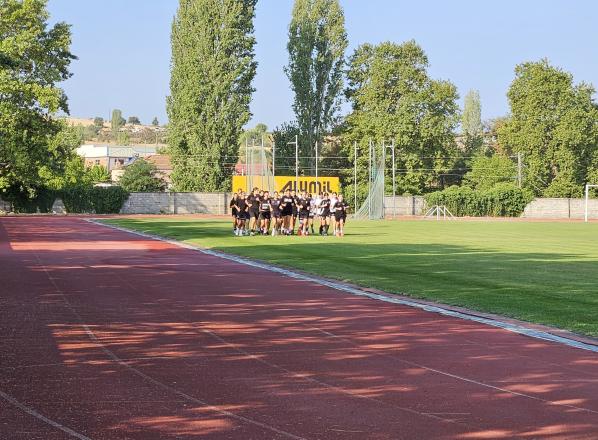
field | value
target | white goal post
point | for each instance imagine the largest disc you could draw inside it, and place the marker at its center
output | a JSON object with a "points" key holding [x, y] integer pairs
{"points": [[588, 186]]}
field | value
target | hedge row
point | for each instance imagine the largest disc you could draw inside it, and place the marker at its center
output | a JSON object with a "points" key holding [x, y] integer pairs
{"points": [[503, 200], [76, 199]]}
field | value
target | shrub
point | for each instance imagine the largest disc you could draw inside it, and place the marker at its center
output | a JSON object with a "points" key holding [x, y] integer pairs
{"points": [[108, 200], [24, 202], [100, 200], [140, 176], [502, 200]]}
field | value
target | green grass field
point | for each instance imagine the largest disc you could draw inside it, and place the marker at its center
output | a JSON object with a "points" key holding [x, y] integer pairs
{"points": [[539, 272]]}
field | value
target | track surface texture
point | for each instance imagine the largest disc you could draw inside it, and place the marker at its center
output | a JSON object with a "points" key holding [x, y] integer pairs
{"points": [[108, 335]]}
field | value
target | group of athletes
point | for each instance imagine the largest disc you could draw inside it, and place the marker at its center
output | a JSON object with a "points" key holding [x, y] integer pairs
{"points": [[262, 213]]}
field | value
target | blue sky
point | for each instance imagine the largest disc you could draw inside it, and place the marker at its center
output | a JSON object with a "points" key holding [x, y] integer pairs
{"points": [[124, 47]]}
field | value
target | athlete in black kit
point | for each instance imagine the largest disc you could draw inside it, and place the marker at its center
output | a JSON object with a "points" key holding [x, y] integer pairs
{"points": [[325, 215], [265, 213], [303, 206], [287, 203], [253, 203], [340, 215], [241, 206], [276, 214]]}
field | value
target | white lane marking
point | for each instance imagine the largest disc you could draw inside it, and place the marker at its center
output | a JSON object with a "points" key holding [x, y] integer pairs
{"points": [[150, 379], [324, 384], [537, 334], [41, 417], [465, 379]]}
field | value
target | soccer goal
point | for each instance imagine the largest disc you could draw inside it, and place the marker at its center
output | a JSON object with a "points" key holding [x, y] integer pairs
{"points": [[588, 186]]}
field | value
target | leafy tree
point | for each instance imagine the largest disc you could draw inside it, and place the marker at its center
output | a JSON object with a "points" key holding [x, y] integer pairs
{"points": [[134, 120], [155, 122], [34, 58], [253, 136], [141, 176], [98, 174], [98, 122], [317, 44], [117, 123], [210, 90], [554, 124], [393, 98], [471, 123], [486, 172]]}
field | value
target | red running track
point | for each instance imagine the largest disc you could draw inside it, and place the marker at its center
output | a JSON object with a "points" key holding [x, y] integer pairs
{"points": [[107, 335]]}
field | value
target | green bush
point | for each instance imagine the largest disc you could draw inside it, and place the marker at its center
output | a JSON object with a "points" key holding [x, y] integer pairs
{"points": [[502, 200], [108, 200], [76, 199], [100, 200], [24, 202]]}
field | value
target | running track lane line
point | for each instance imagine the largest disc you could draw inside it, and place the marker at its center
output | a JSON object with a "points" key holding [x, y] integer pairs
{"points": [[41, 417], [537, 334], [148, 378], [359, 292]]}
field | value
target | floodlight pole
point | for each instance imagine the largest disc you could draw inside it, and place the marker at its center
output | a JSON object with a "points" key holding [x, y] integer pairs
{"points": [[370, 182], [246, 163], [274, 161], [355, 176], [296, 161], [316, 165], [394, 181], [383, 176]]}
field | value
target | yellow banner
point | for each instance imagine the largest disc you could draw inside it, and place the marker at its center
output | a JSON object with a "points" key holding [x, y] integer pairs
{"points": [[282, 183]]}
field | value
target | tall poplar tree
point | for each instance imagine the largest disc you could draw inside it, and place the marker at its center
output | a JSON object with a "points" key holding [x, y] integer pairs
{"points": [[471, 122], [317, 44], [210, 90]]}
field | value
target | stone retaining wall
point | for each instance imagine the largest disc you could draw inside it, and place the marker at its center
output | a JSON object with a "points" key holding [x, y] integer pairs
{"points": [[217, 204], [176, 203]]}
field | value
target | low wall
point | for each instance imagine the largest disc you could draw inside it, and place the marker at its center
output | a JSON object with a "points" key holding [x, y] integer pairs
{"points": [[404, 205], [176, 203], [217, 204], [4, 206], [561, 209]]}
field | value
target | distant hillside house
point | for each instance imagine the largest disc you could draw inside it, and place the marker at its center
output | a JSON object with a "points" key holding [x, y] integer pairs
{"points": [[161, 161], [113, 156]]}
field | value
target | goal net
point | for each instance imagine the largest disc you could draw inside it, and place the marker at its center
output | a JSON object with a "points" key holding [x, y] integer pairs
{"points": [[373, 206]]}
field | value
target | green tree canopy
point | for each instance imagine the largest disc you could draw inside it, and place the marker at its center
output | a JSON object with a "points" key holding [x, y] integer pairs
{"points": [[394, 99], [210, 90], [155, 121], [141, 176], [554, 124], [471, 123], [316, 46], [487, 172], [34, 58], [134, 120], [116, 123]]}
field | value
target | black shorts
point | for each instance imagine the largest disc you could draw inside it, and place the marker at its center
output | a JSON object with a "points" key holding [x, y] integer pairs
{"points": [[276, 214], [338, 216], [286, 213], [325, 214], [242, 215], [265, 215], [303, 214], [254, 214], [294, 212], [234, 213]]}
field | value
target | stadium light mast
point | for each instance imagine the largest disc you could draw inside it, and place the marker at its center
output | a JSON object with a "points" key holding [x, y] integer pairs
{"points": [[296, 142], [316, 165], [355, 176]]}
